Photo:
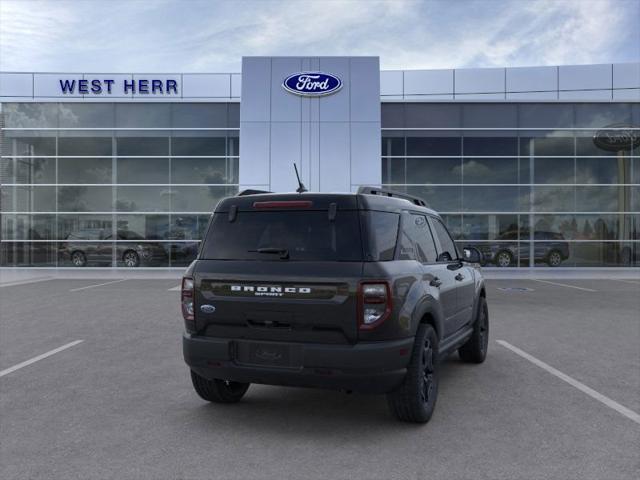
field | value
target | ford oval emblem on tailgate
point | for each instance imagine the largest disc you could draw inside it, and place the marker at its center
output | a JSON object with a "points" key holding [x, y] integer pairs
{"points": [[312, 84], [207, 308]]}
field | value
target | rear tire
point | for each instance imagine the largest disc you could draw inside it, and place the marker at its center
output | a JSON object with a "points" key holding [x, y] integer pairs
{"points": [[415, 399], [475, 350], [554, 259], [218, 391], [78, 259]]}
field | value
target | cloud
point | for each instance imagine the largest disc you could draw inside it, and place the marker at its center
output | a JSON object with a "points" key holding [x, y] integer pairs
{"points": [[162, 36]]}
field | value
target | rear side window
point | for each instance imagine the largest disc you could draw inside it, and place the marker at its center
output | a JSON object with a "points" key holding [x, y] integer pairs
{"points": [[304, 235], [416, 242], [382, 234], [447, 246]]}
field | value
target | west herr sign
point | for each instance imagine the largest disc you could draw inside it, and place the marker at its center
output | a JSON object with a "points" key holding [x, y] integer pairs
{"points": [[98, 86], [312, 84]]}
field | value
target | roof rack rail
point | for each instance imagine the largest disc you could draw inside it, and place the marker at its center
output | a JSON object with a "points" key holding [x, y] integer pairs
{"points": [[250, 191], [390, 193]]}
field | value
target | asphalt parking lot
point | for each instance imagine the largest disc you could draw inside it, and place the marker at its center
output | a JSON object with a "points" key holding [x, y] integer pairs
{"points": [[119, 404]]}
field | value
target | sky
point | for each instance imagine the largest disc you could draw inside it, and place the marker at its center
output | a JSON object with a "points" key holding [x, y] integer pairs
{"points": [[149, 36]]}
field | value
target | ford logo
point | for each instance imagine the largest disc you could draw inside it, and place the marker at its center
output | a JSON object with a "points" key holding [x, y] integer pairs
{"points": [[207, 308], [312, 84], [615, 138]]}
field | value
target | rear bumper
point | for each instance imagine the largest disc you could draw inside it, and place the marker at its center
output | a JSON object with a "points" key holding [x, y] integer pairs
{"points": [[372, 367]]}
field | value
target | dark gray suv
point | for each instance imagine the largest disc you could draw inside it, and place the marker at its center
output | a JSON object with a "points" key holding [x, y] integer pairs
{"points": [[364, 292]]}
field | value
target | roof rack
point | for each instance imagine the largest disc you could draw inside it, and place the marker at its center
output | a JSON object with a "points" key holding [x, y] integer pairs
{"points": [[390, 193], [250, 191]]}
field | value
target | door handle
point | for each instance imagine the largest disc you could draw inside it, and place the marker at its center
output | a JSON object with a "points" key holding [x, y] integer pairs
{"points": [[436, 282], [459, 277]]}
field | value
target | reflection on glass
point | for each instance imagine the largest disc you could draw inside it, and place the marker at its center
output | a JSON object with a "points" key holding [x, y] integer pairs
{"points": [[183, 253], [142, 146], [84, 226], [554, 170], [27, 170], [434, 170], [143, 170], [490, 227], [28, 227], [139, 254], [28, 254], [393, 146], [494, 199], [442, 199], [148, 227], [603, 199], [554, 199], [85, 115], [29, 146], [433, 146], [187, 227], [393, 170], [490, 170], [198, 146], [143, 199], [203, 170], [84, 170], [83, 198], [84, 146], [27, 198], [202, 199]]}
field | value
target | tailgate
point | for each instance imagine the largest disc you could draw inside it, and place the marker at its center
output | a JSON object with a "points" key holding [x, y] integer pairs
{"points": [[278, 301]]}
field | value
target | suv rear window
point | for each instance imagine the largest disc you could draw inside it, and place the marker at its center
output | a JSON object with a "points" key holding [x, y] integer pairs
{"points": [[304, 235]]}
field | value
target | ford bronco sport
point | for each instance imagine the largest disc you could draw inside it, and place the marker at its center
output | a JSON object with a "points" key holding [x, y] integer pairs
{"points": [[359, 292]]}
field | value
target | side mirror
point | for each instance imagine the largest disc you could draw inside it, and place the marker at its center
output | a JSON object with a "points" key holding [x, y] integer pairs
{"points": [[472, 255]]}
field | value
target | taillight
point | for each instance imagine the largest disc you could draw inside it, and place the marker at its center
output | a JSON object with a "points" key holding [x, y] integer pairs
{"points": [[374, 304], [186, 298]]}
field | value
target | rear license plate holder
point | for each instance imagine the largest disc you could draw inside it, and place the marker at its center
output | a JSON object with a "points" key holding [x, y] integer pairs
{"points": [[267, 354]]}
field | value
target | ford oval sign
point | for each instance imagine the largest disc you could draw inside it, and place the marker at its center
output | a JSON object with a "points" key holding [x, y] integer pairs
{"points": [[616, 138], [312, 84]]}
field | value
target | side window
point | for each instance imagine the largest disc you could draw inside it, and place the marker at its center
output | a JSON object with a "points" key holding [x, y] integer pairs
{"points": [[416, 242], [383, 233], [447, 246]]}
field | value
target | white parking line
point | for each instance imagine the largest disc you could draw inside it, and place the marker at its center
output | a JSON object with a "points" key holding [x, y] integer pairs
{"points": [[630, 414], [175, 289], [625, 281], [564, 285], [38, 358], [25, 282], [98, 285]]}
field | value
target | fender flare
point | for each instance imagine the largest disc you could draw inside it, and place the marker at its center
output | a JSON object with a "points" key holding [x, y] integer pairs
{"points": [[428, 306]]}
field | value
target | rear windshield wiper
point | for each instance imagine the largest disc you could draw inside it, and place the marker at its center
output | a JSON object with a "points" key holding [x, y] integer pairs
{"points": [[283, 252]]}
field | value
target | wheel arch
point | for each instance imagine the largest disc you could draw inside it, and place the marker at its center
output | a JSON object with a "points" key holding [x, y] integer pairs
{"points": [[429, 314]]}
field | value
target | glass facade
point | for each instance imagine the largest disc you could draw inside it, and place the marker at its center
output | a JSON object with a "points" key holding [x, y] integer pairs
{"points": [[133, 184], [525, 183], [113, 184]]}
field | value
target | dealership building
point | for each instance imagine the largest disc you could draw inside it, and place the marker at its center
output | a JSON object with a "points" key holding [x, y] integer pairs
{"points": [[535, 166]]}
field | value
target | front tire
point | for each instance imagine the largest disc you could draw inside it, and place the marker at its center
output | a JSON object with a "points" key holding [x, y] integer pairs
{"points": [[504, 259], [218, 391], [131, 259], [415, 400], [475, 349]]}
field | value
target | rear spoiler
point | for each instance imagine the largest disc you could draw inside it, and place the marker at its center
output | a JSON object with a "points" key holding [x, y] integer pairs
{"points": [[251, 191]]}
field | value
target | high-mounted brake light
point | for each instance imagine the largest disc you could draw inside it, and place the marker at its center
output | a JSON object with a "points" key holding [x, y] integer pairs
{"points": [[284, 204], [374, 304], [186, 298]]}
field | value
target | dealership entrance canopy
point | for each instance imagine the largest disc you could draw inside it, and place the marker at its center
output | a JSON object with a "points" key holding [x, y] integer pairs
{"points": [[534, 166]]}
